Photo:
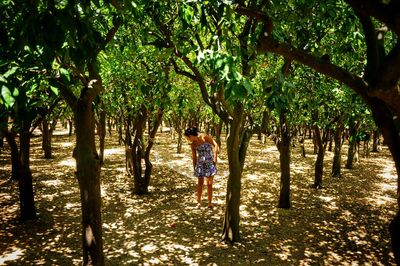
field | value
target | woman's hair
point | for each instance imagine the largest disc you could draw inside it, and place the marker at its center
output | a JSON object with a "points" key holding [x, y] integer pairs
{"points": [[191, 131]]}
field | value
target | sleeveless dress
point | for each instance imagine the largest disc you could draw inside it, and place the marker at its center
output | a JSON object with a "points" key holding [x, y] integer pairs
{"points": [[205, 166]]}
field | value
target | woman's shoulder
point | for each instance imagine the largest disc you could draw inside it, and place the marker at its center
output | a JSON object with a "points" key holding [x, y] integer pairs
{"points": [[208, 138]]}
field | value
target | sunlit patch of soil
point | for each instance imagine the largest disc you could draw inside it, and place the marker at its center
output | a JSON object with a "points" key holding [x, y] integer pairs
{"points": [[342, 224]]}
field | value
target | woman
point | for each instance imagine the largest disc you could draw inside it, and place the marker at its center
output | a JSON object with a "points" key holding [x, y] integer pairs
{"points": [[204, 156]]}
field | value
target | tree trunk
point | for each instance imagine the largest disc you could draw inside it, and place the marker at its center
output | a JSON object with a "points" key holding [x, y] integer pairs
{"points": [[70, 127], [388, 126], [353, 128], [337, 157], [315, 145], [230, 231], [101, 131], [88, 175], [15, 160], [375, 143], [139, 187], [109, 126], [237, 143], [27, 202], [46, 139], [218, 131], [284, 159], [302, 146], [3, 127], [319, 163], [150, 143]]}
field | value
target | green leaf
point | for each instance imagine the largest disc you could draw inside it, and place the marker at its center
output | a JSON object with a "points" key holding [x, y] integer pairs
{"points": [[10, 72], [64, 73], [247, 85], [186, 13], [7, 96], [54, 90]]}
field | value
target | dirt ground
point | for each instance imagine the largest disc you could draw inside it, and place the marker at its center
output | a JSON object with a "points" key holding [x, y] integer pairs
{"points": [[345, 223]]}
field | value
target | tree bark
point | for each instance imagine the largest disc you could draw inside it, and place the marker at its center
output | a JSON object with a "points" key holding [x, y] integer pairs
{"points": [[230, 230], [15, 160], [337, 157], [376, 141], [384, 119], [153, 131], [319, 163], [46, 139], [27, 202], [101, 132], [284, 159], [352, 145], [70, 127], [88, 175]]}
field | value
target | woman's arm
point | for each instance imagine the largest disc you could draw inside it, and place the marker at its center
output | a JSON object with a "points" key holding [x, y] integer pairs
{"points": [[215, 146], [194, 155]]}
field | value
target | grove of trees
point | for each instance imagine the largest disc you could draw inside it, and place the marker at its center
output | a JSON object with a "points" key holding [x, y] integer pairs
{"points": [[285, 69]]}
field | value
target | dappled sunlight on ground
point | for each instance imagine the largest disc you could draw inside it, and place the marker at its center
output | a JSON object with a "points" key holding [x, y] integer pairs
{"points": [[345, 223]]}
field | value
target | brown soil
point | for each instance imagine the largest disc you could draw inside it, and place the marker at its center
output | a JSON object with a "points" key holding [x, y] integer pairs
{"points": [[345, 223]]}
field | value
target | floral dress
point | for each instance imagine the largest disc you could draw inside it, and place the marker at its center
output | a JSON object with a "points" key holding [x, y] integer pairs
{"points": [[205, 166]]}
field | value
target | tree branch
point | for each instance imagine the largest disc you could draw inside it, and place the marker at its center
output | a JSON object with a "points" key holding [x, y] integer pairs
{"points": [[390, 69], [372, 47], [110, 35], [182, 72], [67, 94], [268, 44], [387, 13]]}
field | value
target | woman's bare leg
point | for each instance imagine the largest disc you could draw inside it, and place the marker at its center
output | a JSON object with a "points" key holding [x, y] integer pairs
{"points": [[210, 190], [200, 182]]}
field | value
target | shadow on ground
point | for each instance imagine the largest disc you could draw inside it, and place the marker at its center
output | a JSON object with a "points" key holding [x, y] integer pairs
{"points": [[344, 223]]}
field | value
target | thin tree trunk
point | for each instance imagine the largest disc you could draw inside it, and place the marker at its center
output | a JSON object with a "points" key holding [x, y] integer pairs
{"points": [[150, 143], [284, 159], [137, 154], [352, 145], [218, 131], [319, 163], [101, 131], [70, 127], [375, 144], [15, 160], [337, 157], [46, 139]]}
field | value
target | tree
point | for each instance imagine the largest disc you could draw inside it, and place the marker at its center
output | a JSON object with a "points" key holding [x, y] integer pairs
{"points": [[378, 85], [67, 38], [218, 59]]}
